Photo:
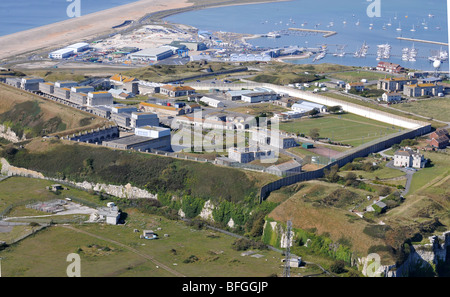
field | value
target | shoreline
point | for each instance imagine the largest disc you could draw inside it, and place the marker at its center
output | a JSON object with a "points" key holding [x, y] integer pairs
{"points": [[90, 26]]}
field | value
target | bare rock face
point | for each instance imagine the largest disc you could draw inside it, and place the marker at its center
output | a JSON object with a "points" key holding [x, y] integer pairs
{"points": [[207, 211], [10, 135]]}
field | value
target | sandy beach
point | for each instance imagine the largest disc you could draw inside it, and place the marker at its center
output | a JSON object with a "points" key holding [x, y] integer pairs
{"points": [[74, 30]]}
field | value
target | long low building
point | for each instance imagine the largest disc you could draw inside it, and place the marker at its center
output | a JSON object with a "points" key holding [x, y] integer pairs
{"points": [[153, 54], [145, 138]]}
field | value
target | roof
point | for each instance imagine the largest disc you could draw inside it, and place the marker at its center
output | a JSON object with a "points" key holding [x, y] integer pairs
{"points": [[403, 153], [153, 51], [356, 84], [122, 78], [392, 94], [160, 106], [381, 204], [177, 88], [421, 85], [287, 165], [397, 79]]}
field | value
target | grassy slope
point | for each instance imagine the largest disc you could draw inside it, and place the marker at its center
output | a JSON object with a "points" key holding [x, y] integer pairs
{"points": [[29, 113], [145, 171]]}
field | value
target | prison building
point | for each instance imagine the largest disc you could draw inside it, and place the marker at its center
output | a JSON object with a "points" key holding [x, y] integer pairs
{"points": [[31, 83], [99, 98], [161, 110], [47, 87], [176, 91], [394, 84], [78, 98], [62, 93]]}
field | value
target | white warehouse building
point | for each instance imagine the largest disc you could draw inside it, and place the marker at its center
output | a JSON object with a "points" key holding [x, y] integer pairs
{"points": [[78, 47], [61, 54], [153, 54], [212, 102]]}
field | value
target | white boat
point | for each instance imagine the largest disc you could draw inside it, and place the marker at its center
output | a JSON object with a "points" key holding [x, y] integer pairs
{"points": [[399, 27], [413, 29]]}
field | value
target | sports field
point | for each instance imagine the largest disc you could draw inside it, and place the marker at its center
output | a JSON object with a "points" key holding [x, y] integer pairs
{"points": [[346, 128]]}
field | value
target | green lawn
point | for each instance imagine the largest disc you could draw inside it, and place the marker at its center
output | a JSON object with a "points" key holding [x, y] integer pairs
{"points": [[354, 76], [347, 128], [437, 108]]}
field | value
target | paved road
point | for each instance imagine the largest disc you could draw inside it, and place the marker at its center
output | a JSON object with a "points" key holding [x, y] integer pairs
{"points": [[409, 175]]}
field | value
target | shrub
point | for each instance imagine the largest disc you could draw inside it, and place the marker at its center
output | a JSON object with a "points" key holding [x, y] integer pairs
{"points": [[338, 267]]}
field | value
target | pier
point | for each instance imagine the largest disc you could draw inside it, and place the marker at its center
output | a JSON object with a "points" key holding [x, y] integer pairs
{"points": [[423, 41], [326, 33]]}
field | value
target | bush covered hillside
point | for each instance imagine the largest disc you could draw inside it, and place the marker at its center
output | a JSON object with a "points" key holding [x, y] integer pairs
{"points": [[157, 174]]}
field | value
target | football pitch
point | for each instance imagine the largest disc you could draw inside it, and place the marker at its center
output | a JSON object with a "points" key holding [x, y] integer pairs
{"points": [[345, 128]]}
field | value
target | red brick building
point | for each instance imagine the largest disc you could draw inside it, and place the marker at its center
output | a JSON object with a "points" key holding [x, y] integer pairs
{"points": [[439, 139], [390, 67]]}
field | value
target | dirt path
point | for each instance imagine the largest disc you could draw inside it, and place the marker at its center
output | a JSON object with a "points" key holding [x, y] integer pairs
{"points": [[148, 257]]}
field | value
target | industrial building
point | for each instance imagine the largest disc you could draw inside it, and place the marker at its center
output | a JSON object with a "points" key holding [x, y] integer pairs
{"points": [[99, 98], [66, 84], [81, 89], [78, 47], [143, 143], [247, 154], [161, 110], [152, 131], [69, 51], [47, 87], [304, 107], [271, 138], [212, 102], [31, 83], [153, 54], [61, 53], [63, 93]]}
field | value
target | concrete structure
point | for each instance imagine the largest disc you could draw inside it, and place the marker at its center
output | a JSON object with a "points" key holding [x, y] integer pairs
{"points": [[271, 138], [153, 54], [121, 119], [121, 94], [176, 91], [66, 84], [394, 84], [247, 154], [82, 89], [123, 109], [78, 98], [62, 93], [31, 83], [152, 131], [256, 97], [141, 143], [389, 67], [139, 119], [13, 81], [212, 102], [409, 158], [47, 87], [61, 53], [392, 97], [101, 111], [419, 90], [380, 204], [287, 168], [96, 135], [78, 47], [99, 98], [110, 214], [161, 110]]}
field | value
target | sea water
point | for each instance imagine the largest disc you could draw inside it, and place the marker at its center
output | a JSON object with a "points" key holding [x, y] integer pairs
{"points": [[425, 20], [20, 15]]}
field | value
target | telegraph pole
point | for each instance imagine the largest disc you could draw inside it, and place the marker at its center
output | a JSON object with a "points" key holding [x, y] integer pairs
{"points": [[448, 24]]}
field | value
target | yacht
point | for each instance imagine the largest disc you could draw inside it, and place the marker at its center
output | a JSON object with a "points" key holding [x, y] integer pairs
{"points": [[399, 27], [413, 29]]}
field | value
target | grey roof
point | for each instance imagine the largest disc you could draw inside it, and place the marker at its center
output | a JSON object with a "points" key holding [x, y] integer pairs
{"points": [[131, 140], [286, 166]]}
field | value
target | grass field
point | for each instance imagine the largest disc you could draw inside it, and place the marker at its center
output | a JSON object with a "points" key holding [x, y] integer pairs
{"points": [[347, 128], [107, 250], [21, 190], [356, 76], [257, 109], [436, 108]]}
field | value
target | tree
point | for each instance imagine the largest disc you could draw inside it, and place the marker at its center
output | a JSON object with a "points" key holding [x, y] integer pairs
{"points": [[332, 174], [313, 112], [338, 267], [314, 133], [335, 109]]}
